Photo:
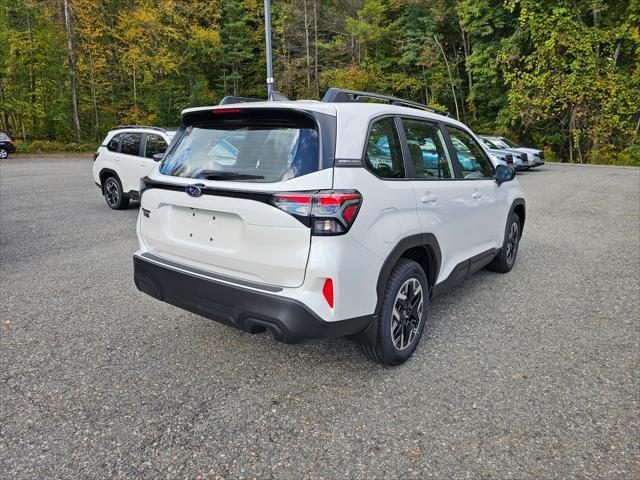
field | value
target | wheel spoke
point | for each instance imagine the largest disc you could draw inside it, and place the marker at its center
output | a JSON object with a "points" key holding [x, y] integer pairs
{"points": [[407, 313]]}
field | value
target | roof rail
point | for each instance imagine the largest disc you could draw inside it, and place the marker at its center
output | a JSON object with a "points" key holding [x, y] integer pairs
{"points": [[341, 95], [123, 127]]}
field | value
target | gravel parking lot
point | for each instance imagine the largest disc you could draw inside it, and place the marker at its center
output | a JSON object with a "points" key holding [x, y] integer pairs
{"points": [[533, 374]]}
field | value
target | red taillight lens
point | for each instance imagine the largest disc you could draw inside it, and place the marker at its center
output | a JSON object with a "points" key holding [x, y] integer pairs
{"points": [[327, 291], [327, 212]]}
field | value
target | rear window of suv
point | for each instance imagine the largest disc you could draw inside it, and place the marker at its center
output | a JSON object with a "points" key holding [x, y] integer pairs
{"points": [[237, 144]]}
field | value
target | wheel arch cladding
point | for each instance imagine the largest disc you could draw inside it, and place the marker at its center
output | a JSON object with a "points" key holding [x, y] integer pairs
{"points": [[518, 207], [107, 172], [423, 249]]}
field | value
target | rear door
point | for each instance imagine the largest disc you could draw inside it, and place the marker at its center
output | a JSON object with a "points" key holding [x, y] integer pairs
{"points": [[440, 197], [211, 206], [130, 161]]}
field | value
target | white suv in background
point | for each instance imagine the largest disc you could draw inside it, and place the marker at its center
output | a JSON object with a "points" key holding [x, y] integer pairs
{"points": [[125, 156], [316, 219], [533, 156]]}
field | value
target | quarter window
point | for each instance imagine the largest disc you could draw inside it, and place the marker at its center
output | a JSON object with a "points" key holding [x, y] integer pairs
{"points": [[131, 143], [154, 144], [114, 143], [384, 155], [427, 149], [474, 163]]}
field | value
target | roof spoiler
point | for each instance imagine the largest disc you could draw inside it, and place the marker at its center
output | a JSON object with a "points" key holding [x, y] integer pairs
{"points": [[230, 99]]}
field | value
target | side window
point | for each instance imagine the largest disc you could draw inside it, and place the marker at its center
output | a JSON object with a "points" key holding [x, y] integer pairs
{"points": [[384, 155], [114, 143], [427, 149], [131, 143], [154, 144], [475, 164]]}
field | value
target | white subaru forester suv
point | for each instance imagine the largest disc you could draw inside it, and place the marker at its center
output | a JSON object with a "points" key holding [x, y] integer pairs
{"points": [[127, 154], [313, 219]]}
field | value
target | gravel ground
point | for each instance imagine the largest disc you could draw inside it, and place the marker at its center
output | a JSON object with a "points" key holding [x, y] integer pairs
{"points": [[533, 374]]}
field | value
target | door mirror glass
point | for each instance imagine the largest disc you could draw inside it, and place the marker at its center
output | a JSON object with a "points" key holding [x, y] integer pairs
{"points": [[504, 174], [157, 157]]}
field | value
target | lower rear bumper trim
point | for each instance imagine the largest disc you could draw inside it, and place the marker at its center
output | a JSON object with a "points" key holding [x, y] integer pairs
{"points": [[289, 320]]}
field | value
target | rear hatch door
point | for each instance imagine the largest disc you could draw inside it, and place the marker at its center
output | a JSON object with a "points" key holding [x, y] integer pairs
{"points": [[210, 204]]}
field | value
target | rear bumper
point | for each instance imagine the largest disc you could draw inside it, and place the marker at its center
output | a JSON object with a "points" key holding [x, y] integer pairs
{"points": [[247, 309], [9, 147]]}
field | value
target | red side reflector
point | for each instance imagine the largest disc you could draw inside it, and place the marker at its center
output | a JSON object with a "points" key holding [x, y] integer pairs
{"points": [[327, 291], [226, 110]]}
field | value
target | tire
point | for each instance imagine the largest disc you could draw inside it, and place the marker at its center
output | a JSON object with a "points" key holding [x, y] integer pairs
{"points": [[394, 346], [3, 154], [113, 195], [506, 259]]}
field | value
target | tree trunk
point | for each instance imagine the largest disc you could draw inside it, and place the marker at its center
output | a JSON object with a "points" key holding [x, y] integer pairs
{"points": [[315, 45], [616, 54], [93, 91], [306, 44], [467, 50], [453, 90], [72, 65], [135, 88], [32, 77]]}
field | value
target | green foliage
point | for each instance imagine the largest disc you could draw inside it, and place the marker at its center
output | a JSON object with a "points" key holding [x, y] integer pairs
{"points": [[50, 146], [563, 75]]}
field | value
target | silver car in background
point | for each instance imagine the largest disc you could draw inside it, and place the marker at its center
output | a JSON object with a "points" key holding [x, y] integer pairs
{"points": [[534, 156], [519, 159]]}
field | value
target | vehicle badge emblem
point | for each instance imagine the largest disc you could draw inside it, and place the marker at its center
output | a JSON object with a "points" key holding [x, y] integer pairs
{"points": [[193, 190]]}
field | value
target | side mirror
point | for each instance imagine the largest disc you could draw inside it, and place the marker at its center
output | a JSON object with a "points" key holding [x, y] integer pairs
{"points": [[504, 174], [158, 157]]}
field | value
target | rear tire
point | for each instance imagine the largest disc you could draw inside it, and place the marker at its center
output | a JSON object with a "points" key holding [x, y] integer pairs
{"points": [[3, 153], [403, 314], [113, 194], [506, 259]]}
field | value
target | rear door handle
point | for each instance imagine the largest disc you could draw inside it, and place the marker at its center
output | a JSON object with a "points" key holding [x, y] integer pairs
{"points": [[476, 195], [429, 198]]}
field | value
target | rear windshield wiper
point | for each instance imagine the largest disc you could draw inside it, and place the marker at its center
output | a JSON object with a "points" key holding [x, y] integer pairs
{"points": [[222, 175]]}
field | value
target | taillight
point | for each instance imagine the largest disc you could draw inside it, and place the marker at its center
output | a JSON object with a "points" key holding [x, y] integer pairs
{"points": [[327, 212]]}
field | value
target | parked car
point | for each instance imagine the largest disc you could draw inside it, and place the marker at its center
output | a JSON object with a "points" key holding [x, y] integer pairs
{"points": [[6, 145], [128, 153], [518, 158], [534, 156], [328, 222]]}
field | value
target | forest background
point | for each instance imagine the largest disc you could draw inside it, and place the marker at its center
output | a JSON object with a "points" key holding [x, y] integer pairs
{"points": [[562, 75]]}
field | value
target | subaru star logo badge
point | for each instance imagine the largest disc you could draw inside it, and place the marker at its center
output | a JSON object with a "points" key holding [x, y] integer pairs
{"points": [[193, 190]]}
